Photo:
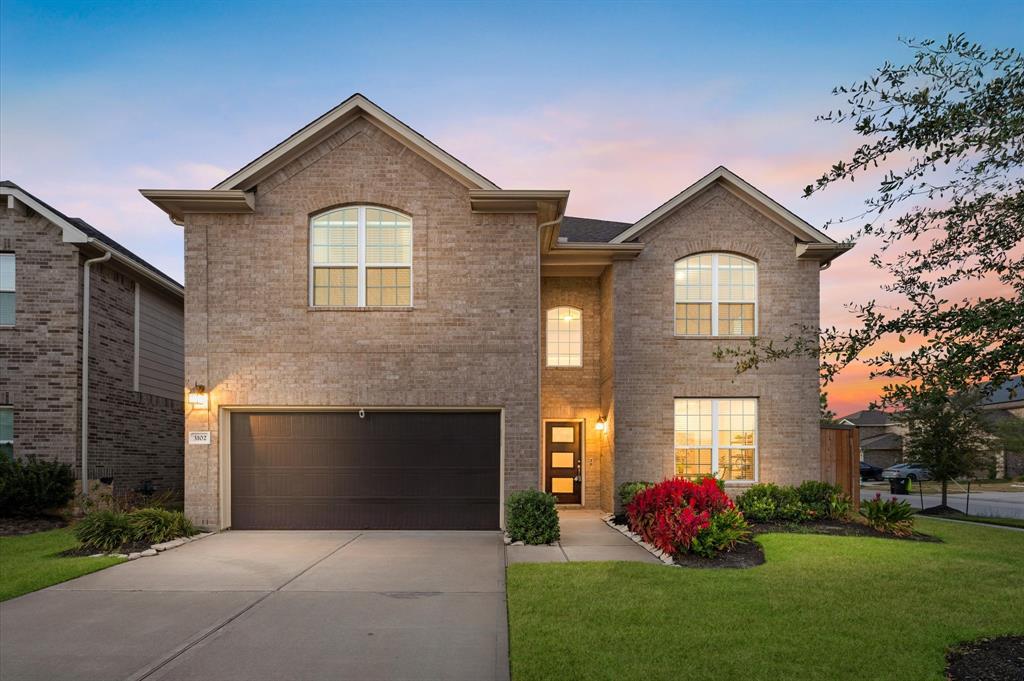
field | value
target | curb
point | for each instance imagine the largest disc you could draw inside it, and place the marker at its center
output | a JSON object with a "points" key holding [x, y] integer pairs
{"points": [[665, 559], [156, 549]]}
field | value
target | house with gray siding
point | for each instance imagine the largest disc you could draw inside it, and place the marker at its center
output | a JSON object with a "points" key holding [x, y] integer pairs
{"points": [[378, 336], [133, 341]]}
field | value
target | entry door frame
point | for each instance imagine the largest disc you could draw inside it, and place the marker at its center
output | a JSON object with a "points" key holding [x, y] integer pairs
{"points": [[583, 454], [223, 440]]}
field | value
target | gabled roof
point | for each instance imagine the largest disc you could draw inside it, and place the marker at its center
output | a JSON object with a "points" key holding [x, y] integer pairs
{"points": [[801, 229], [77, 230], [1009, 392], [341, 115], [882, 441], [868, 417], [591, 230]]}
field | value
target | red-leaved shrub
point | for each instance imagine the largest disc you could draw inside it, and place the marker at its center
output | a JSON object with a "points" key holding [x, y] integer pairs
{"points": [[673, 514]]}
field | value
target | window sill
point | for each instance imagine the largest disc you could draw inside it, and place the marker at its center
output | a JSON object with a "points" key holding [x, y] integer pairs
{"points": [[366, 308], [715, 338]]}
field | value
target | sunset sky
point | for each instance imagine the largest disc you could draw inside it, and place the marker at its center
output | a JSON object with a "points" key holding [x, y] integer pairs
{"points": [[623, 104]]}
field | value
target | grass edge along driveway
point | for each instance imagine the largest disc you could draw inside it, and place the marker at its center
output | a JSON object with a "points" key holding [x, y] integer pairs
{"points": [[820, 608], [30, 562]]}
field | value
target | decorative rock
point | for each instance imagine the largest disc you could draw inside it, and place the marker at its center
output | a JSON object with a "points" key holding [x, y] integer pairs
{"points": [[98, 555], [148, 552], [163, 546], [518, 543], [507, 540], [667, 560], [134, 555]]}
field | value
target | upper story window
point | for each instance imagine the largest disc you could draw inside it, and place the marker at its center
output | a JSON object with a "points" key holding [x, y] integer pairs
{"points": [[6, 289], [565, 337], [6, 431], [716, 295], [361, 256]]}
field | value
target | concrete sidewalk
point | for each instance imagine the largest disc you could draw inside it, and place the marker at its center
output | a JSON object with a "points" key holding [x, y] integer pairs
{"points": [[585, 536], [264, 606]]}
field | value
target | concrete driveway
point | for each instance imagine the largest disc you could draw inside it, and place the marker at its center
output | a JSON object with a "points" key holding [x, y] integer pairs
{"points": [[261, 606]]}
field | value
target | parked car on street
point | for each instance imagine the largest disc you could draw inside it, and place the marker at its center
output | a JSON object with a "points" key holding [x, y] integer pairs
{"points": [[869, 472], [911, 471]]}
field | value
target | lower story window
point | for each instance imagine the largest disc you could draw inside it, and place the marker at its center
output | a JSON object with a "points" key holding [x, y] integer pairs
{"points": [[716, 436], [6, 431]]}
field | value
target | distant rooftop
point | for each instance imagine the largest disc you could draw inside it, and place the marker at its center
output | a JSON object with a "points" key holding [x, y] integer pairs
{"points": [[591, 230]]}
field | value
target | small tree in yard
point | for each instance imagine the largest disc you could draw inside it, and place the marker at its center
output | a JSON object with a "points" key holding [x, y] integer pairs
{"points": [[945, 432]]}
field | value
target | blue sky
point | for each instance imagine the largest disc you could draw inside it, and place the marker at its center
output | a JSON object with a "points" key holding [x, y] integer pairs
{"points": [[623, 103]]}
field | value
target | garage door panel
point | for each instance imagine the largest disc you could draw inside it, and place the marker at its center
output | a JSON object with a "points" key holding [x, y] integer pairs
{"points": [[389, 470]]}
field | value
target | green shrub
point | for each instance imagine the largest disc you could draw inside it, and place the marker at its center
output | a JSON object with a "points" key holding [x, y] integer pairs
{"points": [[892, 517], [31, 486], [531, 517], [628, 490], [727, 529], [824, 500], [770, 503], [104, 530], [156, 525], [108, 530]]}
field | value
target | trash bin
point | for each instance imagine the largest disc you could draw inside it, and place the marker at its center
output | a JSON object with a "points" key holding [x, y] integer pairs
{"points": [[898, 486]]}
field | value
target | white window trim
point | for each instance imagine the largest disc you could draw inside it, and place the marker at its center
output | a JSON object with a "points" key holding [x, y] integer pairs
{"points": [[547, 333], [361, 260], [714, 302], [714, 437], [14, 289]]}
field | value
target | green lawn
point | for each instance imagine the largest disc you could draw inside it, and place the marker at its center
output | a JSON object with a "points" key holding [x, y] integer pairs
{"points": [[820, 608], [30, 562]]}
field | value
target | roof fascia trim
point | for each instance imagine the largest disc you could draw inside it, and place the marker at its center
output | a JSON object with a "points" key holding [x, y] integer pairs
{"points": [[799, 227], [73, 235], [356, 104]]}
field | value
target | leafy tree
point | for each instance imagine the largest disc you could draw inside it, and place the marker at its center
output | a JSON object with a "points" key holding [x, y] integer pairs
{"points": [[947, 433], [825, 413], [947, 129], [1009, 433]]}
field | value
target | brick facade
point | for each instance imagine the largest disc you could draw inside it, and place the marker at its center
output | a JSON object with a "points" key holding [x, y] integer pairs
{"points": [[470, 339], [575, 392], [133, 437], [652, 366]]}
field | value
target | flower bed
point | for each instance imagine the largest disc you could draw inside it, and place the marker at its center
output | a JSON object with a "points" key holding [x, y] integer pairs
{"points": [[679, 517]]}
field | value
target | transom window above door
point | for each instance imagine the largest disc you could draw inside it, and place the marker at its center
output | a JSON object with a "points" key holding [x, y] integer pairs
{"points": [[565, 337], [716, 295], [360, 256], [716, 437]]}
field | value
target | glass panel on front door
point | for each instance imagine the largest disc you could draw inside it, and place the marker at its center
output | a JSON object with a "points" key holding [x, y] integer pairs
{"points": [[563, 458]]}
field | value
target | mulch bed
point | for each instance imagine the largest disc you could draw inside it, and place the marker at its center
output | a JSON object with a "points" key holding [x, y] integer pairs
{"points": [[993, 659], [836, 528], [79, 551], [10, 527], [746, 555]]}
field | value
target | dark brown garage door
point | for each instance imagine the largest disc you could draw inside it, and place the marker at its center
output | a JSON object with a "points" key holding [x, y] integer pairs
{"points": [[387, 470]]}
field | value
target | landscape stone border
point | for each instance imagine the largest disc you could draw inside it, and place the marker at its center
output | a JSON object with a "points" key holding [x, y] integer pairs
{"points": [[654, 551], [157, 548]]}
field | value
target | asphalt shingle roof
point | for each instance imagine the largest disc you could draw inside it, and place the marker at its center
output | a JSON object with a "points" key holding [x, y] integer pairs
{"points": [[591, 230], [869, 417]]}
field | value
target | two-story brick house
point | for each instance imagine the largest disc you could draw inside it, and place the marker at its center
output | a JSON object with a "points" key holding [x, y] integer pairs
{"points": [[65, 286], [381, 337]]}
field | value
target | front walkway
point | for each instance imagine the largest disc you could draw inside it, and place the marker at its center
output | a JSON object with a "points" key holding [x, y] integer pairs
{"points": [[265, 606], [585, 536]]}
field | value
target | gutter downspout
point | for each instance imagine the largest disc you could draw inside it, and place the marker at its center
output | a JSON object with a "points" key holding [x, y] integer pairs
{"points": [[85, 368]]}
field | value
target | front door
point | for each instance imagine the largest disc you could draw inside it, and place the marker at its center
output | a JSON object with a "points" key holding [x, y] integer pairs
{"points": [[563, 456]]}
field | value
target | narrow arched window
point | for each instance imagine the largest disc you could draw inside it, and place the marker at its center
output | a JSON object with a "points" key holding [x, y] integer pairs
{"points": [[565, 337], [361, 256], [716, 295]]}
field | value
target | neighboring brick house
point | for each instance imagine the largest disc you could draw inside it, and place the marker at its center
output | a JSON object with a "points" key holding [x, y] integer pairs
{"points": [[379, 336], [135, 371], [881, 438]]}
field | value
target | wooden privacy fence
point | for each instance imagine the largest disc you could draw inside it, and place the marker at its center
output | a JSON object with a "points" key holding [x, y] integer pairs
{"points": [[840, 459]]}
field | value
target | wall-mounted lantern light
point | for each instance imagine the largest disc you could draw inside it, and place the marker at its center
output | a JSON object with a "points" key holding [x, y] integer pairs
{"points": [[601, 424], [198, 397]]}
